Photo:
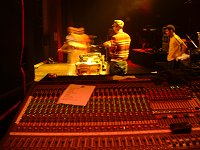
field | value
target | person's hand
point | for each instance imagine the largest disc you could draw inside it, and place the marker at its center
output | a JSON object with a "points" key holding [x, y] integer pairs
{"points": [[107, 44]]}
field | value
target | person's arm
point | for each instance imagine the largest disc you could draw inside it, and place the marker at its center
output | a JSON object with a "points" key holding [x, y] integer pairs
{"points": [[111, 46], [183, 47], [183, 55], [107, 44]]}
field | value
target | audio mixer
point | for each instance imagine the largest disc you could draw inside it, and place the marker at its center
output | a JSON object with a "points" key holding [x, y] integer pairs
{"points": [[120, 115]]}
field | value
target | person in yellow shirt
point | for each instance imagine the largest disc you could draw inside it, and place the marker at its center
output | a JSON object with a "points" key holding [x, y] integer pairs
{"points": [[176, 47]]}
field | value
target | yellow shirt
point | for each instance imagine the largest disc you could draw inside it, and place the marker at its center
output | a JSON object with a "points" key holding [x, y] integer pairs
{"points": [[175, 47]]}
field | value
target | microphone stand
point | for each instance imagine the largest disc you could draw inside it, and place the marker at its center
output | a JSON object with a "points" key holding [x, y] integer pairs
{"points": [[194, 46], [198, 33], [192, 41]]}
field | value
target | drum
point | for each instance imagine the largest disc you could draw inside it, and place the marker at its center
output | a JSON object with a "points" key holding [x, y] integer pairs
{"points": [[90, 57]]}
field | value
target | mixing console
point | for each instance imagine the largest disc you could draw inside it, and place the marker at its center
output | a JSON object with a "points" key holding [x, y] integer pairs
{"points": [[123, 115]]}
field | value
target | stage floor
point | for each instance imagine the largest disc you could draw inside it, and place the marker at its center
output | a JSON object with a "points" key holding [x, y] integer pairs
{"points": [[65, 69]]}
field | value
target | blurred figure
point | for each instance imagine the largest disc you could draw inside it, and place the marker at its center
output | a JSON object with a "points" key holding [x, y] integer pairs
{"points": [[66, 48], [84, 39], [76, 43], [118, 47], [176, 47]]}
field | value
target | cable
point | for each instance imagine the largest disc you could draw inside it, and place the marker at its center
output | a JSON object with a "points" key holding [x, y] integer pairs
{"points": [[22, 50]]}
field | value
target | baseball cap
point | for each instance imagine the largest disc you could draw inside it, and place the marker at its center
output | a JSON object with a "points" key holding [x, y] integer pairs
{"points": [[170, 27], [120, 23]]}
